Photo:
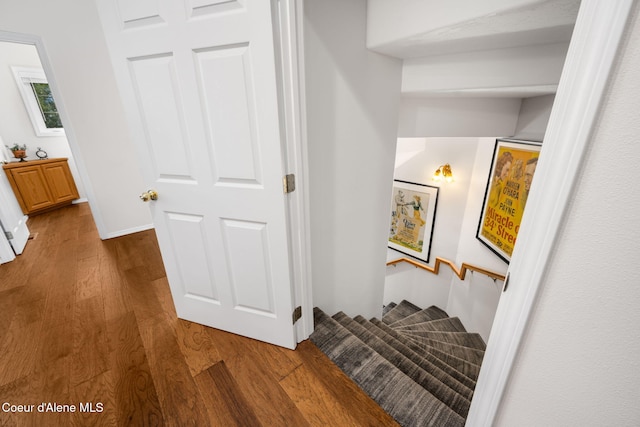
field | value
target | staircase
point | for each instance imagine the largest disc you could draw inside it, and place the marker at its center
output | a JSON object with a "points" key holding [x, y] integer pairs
{"points": [[419, 365]]}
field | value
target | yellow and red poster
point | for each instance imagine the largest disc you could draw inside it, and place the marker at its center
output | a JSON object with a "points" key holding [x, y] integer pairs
{"points": [[512, 170]]}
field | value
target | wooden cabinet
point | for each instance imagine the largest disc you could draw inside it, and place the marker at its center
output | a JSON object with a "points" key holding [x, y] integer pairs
{"points": [[41, 185]]}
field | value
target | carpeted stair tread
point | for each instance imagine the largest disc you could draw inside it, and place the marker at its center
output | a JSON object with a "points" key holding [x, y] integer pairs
{"points": [[463, 367], [427, 315], [388, 307], [472, 355], [400, 311], [449, 324], [445, 373], [426, 380], [403, 399], [465, 339]]}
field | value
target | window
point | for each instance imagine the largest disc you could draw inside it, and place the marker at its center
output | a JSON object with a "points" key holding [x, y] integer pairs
{"points": [[38, 100]]}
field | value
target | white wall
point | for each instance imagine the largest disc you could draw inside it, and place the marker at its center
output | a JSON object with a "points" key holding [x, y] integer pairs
{"points": [[457, 117], [475, 299], [422, 16], [452, 197], [352, 106], [75, 46], [533, 118], [407, 282], [578, 363], [520, 69], [15, 125]]}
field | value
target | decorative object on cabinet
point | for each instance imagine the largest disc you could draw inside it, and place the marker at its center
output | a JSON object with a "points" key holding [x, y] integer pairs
{"points": [[513, 165], [41, 154], [413, 212], [42, 185], [19, 151]]}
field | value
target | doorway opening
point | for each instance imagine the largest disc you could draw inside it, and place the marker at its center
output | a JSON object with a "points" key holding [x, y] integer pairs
{"points": [[31, 119]]}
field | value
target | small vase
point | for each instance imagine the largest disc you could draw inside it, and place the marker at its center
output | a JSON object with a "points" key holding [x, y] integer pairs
{"points": [[20, 154]]}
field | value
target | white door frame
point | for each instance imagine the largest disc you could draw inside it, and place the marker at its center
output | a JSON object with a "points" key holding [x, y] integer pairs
{"points": [[7, 36], [290, 49], [592, 53]]}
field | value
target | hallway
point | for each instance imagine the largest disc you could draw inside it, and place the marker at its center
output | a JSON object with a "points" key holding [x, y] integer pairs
{"points": [[90, 325]]}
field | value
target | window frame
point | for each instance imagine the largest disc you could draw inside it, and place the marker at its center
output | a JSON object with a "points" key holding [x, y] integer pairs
{"points": [[24, 76]]}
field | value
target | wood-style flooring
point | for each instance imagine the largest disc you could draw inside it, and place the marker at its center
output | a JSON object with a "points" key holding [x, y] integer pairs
{"points": [[91, 322]]}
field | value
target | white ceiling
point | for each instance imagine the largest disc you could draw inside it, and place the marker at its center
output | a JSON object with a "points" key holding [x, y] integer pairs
{"points": [[540, 22], [544, 22]]}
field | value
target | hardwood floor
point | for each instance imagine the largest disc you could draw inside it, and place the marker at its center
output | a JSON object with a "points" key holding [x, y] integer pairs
{"points": [[85, 321]]}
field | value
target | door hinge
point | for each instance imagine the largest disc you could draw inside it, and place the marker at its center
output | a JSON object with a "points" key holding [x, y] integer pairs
{"points": [[297, 314], [289, 183], [9, 235]]}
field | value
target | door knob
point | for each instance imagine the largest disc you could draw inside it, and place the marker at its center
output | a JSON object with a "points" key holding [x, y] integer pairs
{"points": [[149, 195]]}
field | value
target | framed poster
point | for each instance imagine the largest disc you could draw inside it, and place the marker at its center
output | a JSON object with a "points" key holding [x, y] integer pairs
{"points": [[512, 169], [413, 212]]}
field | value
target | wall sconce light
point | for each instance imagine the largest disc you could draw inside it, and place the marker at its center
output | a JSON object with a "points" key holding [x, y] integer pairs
{"points": [[443, 173]]}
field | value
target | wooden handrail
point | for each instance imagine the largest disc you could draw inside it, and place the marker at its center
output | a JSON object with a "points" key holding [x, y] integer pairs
{"points": [[461, 273]]}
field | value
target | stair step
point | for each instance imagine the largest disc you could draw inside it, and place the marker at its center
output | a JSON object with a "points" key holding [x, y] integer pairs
{"points": [[445, 373], [397, 394], [462, 366], [426, 380], [465, 339], [469, 354], [388, 307], [400, 311], [449, 324], [419, 365], [426, 315]]}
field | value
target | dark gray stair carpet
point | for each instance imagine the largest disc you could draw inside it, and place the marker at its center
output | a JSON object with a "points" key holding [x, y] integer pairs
{"points": [[400, 311], [426, 315], [427, 381], [471, 355], [449, 324], [460, 365], [445, 373], [388, 307], [403, 399], [465, 339]]}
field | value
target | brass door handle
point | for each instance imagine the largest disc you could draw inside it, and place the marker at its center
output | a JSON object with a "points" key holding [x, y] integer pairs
{"points": [[149, 195]]}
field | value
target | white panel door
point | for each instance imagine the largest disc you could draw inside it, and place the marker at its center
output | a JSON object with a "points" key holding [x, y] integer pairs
{"points": [[13, 221], [198, 79]]}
